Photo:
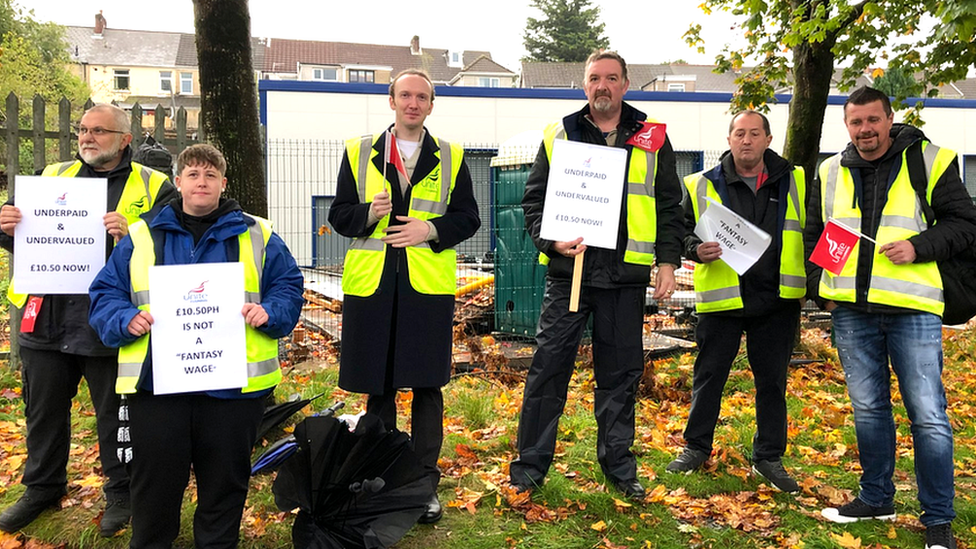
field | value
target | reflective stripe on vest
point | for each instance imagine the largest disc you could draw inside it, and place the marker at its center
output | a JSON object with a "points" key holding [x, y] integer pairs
{"points": [[138, 197], [916, 286], [641, 205], [262, 351], [433, 273], [716, 284]]}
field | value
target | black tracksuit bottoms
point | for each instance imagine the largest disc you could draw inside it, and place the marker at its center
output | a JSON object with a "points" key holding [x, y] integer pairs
{"points": [[769, 344], [50, 381], [171, 433], [618, 363]]}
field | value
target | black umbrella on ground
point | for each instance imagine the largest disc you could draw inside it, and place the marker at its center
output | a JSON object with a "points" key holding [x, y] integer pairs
{"points": [[277, 453], [274, 415], [361, 489]]}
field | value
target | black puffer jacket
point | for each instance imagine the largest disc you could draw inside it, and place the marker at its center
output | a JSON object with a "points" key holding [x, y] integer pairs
{"points": [[606, 268], [953, 207]]}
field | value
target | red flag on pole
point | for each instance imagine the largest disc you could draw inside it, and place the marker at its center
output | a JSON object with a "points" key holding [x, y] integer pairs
{"points": [[834, 247], [393, 155]]}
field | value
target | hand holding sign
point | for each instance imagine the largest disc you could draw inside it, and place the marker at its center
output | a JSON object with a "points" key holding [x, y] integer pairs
{"points": [[741, 243]]}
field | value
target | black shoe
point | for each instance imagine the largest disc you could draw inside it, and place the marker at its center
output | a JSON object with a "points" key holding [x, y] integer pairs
{"points": [[858, 510], [775, 473], [433, 512], [687, 461], [115, 518], [25, 510], [521, 488], [632, 488], [940, 537]]}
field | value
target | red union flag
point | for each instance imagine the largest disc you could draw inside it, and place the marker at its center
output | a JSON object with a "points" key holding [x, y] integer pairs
{"points": [[834, 246], [393, 155], [650, 137]]}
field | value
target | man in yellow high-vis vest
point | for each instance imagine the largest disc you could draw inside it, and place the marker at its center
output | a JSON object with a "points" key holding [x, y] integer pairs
{"points": [[614, 282], [399, 275], [763, 303], [58, 347], [887, 300]]}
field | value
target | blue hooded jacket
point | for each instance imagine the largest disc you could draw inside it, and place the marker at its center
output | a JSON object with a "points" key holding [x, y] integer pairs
{"points": [[282, 284]]}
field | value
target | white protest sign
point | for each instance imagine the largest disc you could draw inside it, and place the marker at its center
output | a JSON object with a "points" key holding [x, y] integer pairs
{"points": [[583, 193], [60, 240], [198, 339], [742, 242]]}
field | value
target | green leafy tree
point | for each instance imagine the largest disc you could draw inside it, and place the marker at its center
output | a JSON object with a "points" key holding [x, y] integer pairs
{"points": [[228, 98], [568, 31], [799, 43], [33, 61], [896, 82]]}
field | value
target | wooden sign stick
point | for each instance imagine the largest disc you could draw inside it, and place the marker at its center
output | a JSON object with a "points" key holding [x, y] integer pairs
{"points": [[574, 292]]}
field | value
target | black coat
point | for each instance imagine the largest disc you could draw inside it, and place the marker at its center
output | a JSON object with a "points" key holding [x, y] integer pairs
{"points": [[953, 208], [604, 268], [62, 323], [398, 337], [765, 208]]}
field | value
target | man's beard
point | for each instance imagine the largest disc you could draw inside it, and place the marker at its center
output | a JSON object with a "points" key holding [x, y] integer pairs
{"points": [[101, 158], [603, 104]]}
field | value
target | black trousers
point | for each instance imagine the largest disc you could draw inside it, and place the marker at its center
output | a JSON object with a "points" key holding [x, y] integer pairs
{"points": [[618, 362], [171, 433], [427, 424], [769, 343], [50, 381]]}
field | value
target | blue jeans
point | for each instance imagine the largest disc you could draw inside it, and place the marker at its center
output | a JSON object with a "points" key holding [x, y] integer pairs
{"points": [[913, 343]]}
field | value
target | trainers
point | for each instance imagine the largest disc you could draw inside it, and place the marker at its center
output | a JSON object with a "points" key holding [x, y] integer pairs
{"points": [[940, 537], [773, 471], [25, 510], [858, 510], [687, 461], [115, 518]]}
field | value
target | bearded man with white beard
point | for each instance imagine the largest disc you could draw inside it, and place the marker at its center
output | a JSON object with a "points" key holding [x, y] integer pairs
{"points": [[59, 347]]}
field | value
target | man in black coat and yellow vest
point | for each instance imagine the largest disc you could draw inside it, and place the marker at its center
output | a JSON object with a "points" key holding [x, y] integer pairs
{"points": [[764, 302], [614, 282], [59, 347], [399, 275]]}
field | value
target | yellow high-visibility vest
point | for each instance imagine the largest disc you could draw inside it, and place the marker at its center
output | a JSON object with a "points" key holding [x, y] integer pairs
{"points": [[263, 371], [433, 273], [915, 286], [641, 204], [716, 284], [138, 197]]}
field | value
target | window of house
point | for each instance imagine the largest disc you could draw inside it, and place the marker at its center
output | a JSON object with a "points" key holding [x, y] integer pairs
{"points": [[486, 82], [361, 76], [121, 79], [186, 83], [330, 75], [166, 81], [676, 87]]}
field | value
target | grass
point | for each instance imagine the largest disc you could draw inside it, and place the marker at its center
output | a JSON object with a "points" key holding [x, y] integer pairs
{"points": [[722, 506]]}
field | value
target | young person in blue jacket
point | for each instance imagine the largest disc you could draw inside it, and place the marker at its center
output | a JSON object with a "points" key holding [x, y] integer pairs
{"points": [[212, 431]]}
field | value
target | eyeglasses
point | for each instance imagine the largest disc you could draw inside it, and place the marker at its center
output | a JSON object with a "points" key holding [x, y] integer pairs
{"points": [[97, 132]]}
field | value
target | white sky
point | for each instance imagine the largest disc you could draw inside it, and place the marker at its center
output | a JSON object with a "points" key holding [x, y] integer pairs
{"points": [[643, 32]]}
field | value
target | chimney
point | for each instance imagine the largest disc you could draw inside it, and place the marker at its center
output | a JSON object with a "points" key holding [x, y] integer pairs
{"points": [[415, 46], [100, 23]]}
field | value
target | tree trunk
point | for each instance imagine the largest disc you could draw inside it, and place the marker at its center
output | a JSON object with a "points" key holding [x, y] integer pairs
{"points": [[228, 97], [813, 68]]}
